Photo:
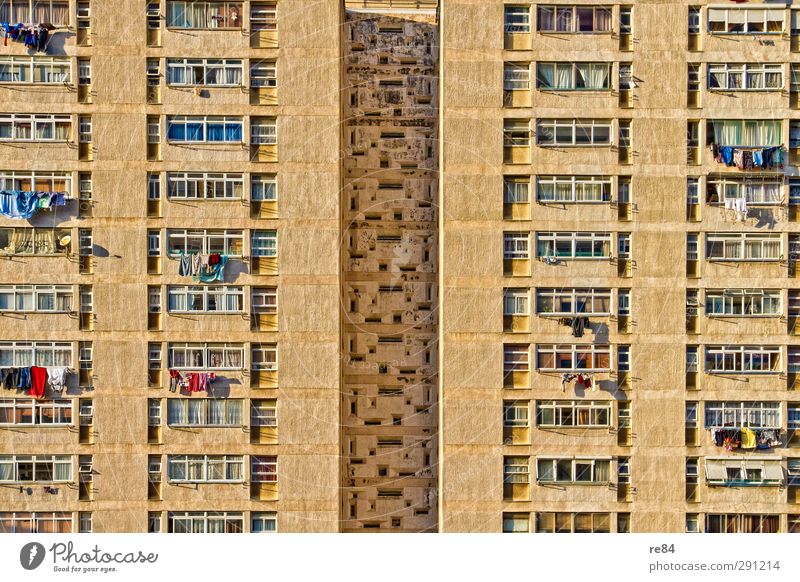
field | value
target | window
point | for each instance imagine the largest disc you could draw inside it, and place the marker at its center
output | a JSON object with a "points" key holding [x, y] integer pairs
{"points": [[204, 129], [516, 302], [743, 302], [153, 243], [693, 82], [38, 181], [263, 74], [55, 12], [793, 417], [263, 469], [204, 522], [517, 77], [205, 299], [564, 522], [35, 128], [743, 247], [745, 77], [573, 245], [743, 359], [33, 241], [573, 76], [578, 132], [264, 357], [196, 14], [263, 17], [205, 468], [153, 130], [264, 300], [692, 247], [224, 242], [44, 70], [30, 468], [626, 76], [263, 187], [623, 302], [516, 358], [154, 356], [263, 413], [745, 20], [264, 131], [36, 298], [579, 413], [515, 245], [573, 471], [29, 411], [573, 357], [154, 413], [573, 301], [573, 189], [517, 19], [574, 19], [200, 356], [739, 414], [84, 128], [204, 412], [84, 72], [44, 354], [263, 522], [625, 20], [733, 472], [516, 190], [202, 72], [624, 245], [516, 522], [756, 191], [183, 186], [623, 358], [694, 20], [745, 132], [741, 523], [516, 414], [264, 243], [153, 186], [793, 471], [37, 522], [515, 470], [516, 133]]}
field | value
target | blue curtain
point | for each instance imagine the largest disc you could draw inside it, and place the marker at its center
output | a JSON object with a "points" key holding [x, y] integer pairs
{"points": [[176, 131], [194, 132], [233, 132], [216, 132]]}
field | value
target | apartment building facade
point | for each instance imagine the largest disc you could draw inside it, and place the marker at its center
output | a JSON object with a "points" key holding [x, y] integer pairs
{"points": [[456, 266]]}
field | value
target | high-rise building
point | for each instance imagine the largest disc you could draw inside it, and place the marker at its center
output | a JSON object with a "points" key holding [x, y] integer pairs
{"points": [[399, 265]]}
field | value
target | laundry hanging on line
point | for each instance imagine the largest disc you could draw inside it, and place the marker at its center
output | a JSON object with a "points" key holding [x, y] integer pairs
{"points": [[190, 381], [34, 379], [760, 158], [20, 204], [33, 36], [201, 267], [746, 438]]}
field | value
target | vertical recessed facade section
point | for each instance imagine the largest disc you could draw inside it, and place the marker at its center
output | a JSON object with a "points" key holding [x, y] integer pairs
{"points": [[389, 261]]}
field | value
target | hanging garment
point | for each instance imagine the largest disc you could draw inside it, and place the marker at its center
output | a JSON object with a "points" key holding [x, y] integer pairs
{"points": [[716, 434], [747, 159], [748, 438], [57, 377], [578, 324], [174, 380], [712, 197], [9, 378], [213, 259], [738, 159], [203, 382], [758, 158], [566, 378], [204, 261], [18, 204], [215, 273], [715, 153], [197, 264], [194, 382], [185, 265], [727, 155], [38, 381], [41, 45], [741, 208], [24, 381]]}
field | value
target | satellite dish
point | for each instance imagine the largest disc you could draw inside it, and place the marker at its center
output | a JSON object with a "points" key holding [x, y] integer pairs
{"points": [[64, 241]]}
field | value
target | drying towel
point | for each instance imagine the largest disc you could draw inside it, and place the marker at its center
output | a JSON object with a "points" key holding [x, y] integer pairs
{"points": [[38, 380], [57, 377]]}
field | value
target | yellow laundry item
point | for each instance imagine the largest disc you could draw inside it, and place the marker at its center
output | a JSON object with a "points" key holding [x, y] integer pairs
{"points": [[748, 439]]}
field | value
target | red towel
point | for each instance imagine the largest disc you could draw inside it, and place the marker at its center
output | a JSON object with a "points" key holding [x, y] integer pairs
{"points": [[38, 381]]}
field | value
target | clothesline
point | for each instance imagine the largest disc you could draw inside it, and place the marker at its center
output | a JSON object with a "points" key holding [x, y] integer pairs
{"points": [[34, 378], [190, 381], [204, 268], [746, 438], [33, 36], [748, 157], [23, 204]]}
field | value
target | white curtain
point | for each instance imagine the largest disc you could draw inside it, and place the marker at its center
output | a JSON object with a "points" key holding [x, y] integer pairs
{"points": [[564, 76], [545, 76], [6, 470], [601, 471], [62, 471], [176, 413]]}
